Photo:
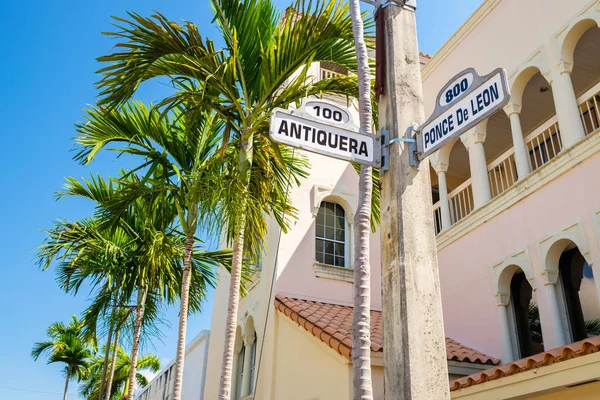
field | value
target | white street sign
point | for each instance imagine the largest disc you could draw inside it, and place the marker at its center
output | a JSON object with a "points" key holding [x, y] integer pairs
{"points": [[465, 101], [324, 128]]}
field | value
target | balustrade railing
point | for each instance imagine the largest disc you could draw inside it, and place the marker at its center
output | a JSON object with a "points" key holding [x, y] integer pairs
{"points": [[543, 144], [328, 74], [502, 173], [588, 109], [461, 202]]}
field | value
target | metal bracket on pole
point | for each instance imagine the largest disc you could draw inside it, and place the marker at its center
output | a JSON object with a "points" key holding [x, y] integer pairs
{"points": [[384, 134], [408, 4]]}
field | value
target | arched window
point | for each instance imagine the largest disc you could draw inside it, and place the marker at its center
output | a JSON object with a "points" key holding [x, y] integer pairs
{"points": [[526, 315], [579, 294], [330, 245]]}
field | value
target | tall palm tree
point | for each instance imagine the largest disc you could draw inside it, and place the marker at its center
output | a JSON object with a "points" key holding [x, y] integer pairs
{"points": [[151, 254], [265, 64], [361, 321], [66, 345], [87, 252], [183, 155], [90, 389]]}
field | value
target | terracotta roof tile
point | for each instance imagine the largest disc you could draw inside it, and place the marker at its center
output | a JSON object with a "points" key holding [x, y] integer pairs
{"points": [[332, 324], [573, 350]]}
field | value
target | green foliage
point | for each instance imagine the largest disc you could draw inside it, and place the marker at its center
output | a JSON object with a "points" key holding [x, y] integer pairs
{"points": [[66, 345], [91, 386], [265, 64]]}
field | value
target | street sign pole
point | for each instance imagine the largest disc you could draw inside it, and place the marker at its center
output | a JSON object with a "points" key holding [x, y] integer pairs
{"points": [[414, 355]]}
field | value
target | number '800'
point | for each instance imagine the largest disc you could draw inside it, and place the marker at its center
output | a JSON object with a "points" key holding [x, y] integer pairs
{"points": [[456, 90]]}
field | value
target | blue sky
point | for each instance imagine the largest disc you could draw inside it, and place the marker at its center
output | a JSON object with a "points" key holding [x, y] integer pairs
{"points": [[48, 72]]}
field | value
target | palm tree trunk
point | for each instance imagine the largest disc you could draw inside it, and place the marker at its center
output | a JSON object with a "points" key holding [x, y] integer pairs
{"points": [[236, 273], [107, 349], [111, 375], [361, 321], [67, 382], [183, 314], [141, 301]]}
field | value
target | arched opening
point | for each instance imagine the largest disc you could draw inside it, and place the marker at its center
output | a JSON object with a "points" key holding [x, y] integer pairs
{"points": [[435, 198], [502, 172], [579, 294], [538, 121], [528, 331], [460, 193], [331, 235], [238, 364], [586, 72]]}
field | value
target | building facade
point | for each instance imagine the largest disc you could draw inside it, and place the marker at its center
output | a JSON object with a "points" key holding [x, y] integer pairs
{"points": [[517, 223], [194, 373]]}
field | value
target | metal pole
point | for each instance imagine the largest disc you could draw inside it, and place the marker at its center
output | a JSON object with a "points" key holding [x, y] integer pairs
{"points": [[414, 356]]}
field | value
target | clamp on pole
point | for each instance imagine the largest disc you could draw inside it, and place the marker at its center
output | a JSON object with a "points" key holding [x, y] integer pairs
{"points": [[385, 140], [407, 4]]}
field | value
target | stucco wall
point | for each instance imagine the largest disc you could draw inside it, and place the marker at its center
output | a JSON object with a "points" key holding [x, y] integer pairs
{"points": [[297, 248], [470, 310], [306, 368], [506, 38], [161, 386]]}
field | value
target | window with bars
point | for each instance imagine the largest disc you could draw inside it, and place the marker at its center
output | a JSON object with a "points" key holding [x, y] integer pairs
{"points": [[331, 235]]}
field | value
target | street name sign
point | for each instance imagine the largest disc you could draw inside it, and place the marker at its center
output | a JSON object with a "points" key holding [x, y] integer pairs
{"points": [[325, 128], [466, 100]]}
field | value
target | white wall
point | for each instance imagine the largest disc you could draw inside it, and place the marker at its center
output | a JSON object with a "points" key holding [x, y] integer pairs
{"points": [[194, 372]]}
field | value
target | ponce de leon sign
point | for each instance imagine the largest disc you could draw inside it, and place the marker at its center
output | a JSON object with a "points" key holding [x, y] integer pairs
{"points": [[464, 102]]}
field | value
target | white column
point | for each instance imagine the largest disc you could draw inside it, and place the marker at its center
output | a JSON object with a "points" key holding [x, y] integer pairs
{"points": [[473, 141], [237, 351], [567, 109], [507, 345], [439, 162], [521, 154], [444, 205], [248, 344], [558, 330]]}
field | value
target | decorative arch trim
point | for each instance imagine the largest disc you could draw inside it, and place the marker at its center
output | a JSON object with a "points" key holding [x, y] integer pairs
{"points": [[336, 194], [552, 246], [566, 40], [503, 271], [520, 78]]}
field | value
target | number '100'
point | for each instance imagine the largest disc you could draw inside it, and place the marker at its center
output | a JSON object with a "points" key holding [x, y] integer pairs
{"points": [[328, 113], [456, 90]]}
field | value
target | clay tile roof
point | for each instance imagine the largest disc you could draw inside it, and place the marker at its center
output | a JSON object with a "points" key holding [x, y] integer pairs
{"points": [[332, 323], [573, 350], [427, 56]]}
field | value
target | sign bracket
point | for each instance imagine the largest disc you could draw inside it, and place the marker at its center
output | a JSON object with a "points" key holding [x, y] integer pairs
{"points": [[384, 137]]}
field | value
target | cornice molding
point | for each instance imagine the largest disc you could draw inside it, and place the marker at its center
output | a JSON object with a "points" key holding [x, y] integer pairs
{"points": [[470, 24]]}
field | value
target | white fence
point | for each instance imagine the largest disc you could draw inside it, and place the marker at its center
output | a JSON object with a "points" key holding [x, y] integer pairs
{"points": [[328, 74]]}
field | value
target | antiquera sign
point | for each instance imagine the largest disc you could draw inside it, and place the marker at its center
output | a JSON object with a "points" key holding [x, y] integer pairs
{"points": [[464, 102], [325, 128]]}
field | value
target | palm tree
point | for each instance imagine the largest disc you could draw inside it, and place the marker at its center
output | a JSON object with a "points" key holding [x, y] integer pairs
{"points": [[66, 345], [361, 321], [181, 153], [150, 255], [88, 253], [265, 64], [90, 389]]}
